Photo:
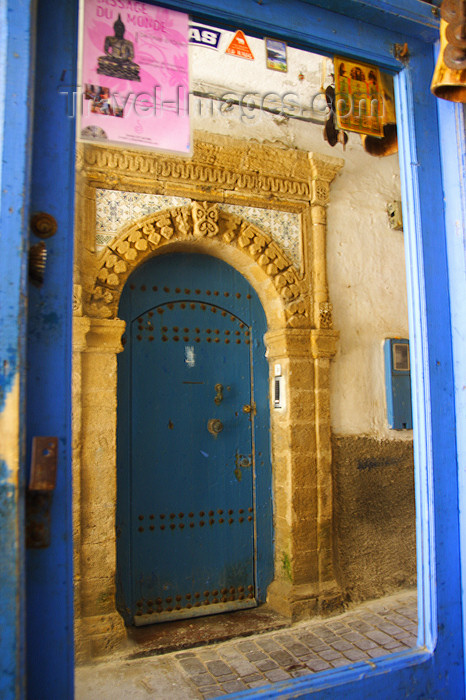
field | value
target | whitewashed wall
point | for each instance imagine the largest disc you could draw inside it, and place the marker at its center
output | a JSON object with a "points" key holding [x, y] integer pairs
{"points": [[366, 267]]}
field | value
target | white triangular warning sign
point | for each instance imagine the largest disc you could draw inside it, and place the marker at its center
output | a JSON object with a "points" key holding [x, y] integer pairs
{"points": [[239, 47]]}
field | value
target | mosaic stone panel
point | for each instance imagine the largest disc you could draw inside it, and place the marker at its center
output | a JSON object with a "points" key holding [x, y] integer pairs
{"points": [[284, 227], [114, 209]]}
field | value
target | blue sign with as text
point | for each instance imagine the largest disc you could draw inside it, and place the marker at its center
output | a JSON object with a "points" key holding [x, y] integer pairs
{"points": [[204, 36]]}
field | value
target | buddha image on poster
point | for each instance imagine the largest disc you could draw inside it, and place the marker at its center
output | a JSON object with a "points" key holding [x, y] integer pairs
{"points": [[358, 97], [134, 75]]}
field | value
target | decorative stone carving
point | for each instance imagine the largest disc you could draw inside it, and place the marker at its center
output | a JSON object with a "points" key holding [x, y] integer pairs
{"points": [[320, 192], [325, 313], [77, 300], [112, 166], [203, 219], [324, 169]]}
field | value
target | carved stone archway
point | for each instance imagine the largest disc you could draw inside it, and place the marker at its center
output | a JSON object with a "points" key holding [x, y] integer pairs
{"points": [[203, 223], [299, 338]]}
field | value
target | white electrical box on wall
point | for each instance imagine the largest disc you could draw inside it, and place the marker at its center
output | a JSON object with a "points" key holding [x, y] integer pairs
{"points": [[278, 388]]}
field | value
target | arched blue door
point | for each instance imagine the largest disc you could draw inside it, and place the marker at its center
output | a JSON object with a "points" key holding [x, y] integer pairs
{"points": [[194, 477]]}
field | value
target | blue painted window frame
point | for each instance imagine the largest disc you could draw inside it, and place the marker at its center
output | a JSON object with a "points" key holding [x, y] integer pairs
{"points": [[366, 30]]}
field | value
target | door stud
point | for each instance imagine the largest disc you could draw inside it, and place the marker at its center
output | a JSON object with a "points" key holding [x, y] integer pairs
{"points": [[214, 426]]}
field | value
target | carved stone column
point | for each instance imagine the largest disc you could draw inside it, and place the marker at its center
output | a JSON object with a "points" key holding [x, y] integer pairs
{"points": [[323, 171], [323, 347], [101, 627], [294, 591], [301, 453], [81, 327]]}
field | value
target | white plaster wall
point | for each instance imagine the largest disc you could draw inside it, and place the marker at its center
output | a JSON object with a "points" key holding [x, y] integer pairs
{"points": [[366, 267]]}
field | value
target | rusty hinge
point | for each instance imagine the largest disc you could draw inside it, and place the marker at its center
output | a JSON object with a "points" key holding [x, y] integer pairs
{"points": [[40, 489], [43, 464]]}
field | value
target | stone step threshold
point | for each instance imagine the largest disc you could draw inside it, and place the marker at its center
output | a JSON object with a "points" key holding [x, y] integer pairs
{"points": [[166, 637]]}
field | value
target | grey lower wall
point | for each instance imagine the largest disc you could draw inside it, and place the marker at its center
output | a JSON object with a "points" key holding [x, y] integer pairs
{"points": [[374, 516]]}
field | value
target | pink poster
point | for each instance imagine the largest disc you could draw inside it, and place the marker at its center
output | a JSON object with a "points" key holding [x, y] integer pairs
{"points": [[134, 75]]}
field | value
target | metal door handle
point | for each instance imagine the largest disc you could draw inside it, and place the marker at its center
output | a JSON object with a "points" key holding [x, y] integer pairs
{"points": [[214, 426]]}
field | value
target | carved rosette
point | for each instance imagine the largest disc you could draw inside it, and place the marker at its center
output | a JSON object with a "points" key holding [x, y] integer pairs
{"points": [[320, 193], [141, 239]]}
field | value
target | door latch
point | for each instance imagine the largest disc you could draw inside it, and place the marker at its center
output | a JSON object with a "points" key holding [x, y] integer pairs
{"points": [[242, 462], [250, 408], [219, 395]]}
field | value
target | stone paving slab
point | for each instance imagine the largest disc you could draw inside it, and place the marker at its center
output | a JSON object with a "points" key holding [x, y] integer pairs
{"points": [[364, 633]]}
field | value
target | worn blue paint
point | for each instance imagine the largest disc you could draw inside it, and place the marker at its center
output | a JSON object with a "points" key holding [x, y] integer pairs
{"points": [[397, 389], [15, 79], [189, 502], [49, 571], [12, 599]]}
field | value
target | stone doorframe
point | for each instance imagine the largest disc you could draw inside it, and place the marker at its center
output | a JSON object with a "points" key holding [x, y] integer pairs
{"points": [[300, 338]]}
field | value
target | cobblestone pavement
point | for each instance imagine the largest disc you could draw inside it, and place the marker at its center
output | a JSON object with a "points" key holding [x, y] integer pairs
{"points": [[365, 632]]}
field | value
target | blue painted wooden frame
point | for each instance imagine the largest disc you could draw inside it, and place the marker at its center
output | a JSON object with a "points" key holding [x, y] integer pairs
{"points": [[452, 129], [437, 668], [49, 571], [15, 88]]}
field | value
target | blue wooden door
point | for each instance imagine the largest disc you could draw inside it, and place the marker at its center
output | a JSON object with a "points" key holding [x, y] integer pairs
{"points": [[186, 464]]}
